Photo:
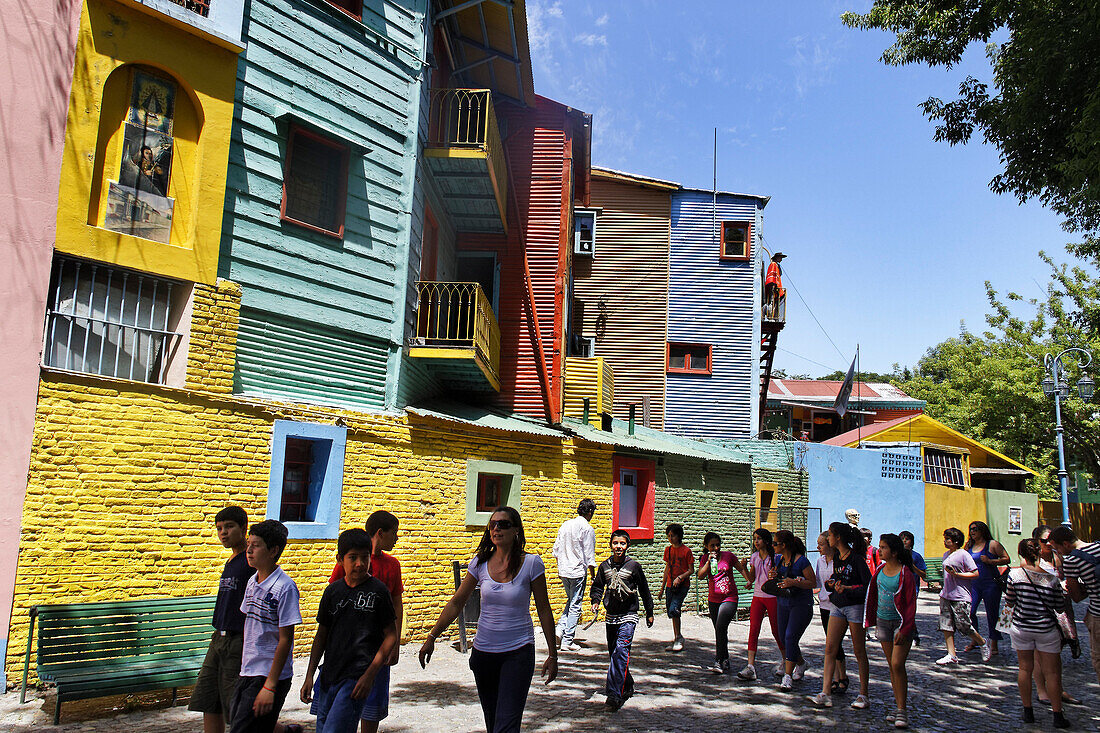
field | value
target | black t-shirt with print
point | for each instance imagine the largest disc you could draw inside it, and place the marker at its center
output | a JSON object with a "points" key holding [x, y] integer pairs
{"points": [[227, 608], [356, 619], [853, 573]]}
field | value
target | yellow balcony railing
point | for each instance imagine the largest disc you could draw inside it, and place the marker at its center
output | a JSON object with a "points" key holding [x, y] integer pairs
{"points": [[465, 119], [458, 315]]}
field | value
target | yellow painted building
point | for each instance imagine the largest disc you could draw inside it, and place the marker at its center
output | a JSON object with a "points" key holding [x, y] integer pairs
{"points": [[966, 469], [125, 480], [147, 142]]}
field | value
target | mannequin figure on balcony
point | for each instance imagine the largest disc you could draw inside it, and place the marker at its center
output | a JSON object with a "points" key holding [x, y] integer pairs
{"points": [[773, 287]]}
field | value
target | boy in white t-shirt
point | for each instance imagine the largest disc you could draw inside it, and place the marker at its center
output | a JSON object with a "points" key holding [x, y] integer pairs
{"points": [[959, 572], [271, 612]]}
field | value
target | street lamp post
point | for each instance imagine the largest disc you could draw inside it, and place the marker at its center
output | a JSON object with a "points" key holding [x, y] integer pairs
{"points": [[1055, 386]]}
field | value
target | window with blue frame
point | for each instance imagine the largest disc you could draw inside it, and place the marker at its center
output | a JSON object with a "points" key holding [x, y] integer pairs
{"points": [[307, 478]]}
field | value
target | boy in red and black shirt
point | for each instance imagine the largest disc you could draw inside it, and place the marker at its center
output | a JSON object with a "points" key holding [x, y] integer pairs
{"points": [[382, 528], [679, 563]]}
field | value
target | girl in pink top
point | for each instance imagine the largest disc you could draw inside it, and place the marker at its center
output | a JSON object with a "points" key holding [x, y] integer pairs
{"points": [[717, 568], [756, 572]]}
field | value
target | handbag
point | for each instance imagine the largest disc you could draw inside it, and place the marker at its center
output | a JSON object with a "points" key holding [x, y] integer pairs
{"points": [[771, 587], [1004, 621], [1061, 619]]}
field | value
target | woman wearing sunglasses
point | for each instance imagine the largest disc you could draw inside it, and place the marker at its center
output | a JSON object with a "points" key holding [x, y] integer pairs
{"points": [[1051, 562], [503, 657]]}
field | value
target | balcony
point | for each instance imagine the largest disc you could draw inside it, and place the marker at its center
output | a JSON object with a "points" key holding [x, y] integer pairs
{"points": [[466, 158], [457, 336], [773, 313]]}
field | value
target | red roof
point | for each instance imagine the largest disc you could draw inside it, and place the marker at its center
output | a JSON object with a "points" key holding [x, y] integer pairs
{"points": [[866, 431], [818, 390]]}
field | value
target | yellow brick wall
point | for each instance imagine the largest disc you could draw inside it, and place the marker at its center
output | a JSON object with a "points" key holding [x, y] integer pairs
{"points": [[125, 480]]}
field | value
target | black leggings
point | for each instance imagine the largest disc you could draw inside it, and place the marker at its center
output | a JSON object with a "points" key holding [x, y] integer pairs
{"points": [[825, 625], [503, 680], [721, 615]]}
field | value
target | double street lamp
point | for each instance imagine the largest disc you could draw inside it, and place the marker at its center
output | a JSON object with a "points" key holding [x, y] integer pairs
{"points": [[1055, 386]]}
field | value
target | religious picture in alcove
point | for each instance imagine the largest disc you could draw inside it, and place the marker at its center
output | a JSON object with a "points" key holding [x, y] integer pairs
{"points": [[152, 102], [146, 160], [138, 213]]}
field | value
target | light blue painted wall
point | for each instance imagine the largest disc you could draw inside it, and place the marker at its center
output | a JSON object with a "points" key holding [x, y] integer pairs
{"points": [[715, 302], [308, 62], [223, 21], [846, 478]]}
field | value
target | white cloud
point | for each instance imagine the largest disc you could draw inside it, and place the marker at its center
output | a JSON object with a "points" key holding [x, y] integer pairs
{"points": [[602, 20], [813, 62], [591, 39], [555, 11]]}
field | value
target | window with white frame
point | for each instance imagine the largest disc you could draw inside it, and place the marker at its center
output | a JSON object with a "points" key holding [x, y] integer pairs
{"points": [[944, 468], [109, 321]]}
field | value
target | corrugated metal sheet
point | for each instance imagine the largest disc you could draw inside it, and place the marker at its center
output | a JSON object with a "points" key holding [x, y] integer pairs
{"points": [[655, 442], [627, 282], [714, 302], [280, 357], [591, 378]]}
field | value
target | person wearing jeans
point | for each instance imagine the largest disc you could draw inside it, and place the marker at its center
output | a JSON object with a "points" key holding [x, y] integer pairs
{"points": [[575, 551], [796, 576]]}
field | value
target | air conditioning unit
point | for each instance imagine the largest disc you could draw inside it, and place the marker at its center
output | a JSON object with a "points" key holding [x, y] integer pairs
{"points": [[584, 233]]}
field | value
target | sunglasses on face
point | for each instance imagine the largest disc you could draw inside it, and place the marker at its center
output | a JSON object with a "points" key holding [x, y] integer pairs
{"points": [[1045, 541], [501, 524]]}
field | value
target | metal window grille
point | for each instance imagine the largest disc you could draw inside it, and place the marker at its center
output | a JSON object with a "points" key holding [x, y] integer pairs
{"points": [[901, 466], [202, 7], [108, 321], [944, 469]]}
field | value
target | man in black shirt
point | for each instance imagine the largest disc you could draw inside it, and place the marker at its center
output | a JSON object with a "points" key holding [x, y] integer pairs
{"points": [[222, 666], [356, 633], [620, 583]]}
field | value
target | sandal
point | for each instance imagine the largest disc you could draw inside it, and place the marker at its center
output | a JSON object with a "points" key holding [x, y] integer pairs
{"points": [[839, 687]]}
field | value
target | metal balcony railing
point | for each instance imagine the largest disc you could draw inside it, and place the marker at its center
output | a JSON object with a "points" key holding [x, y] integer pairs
{"points": [[464, 118], [458, 315], [202, 7], [775, 312]]}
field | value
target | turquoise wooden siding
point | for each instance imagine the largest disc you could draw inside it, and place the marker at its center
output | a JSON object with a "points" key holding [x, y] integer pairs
{"points": [[308, 63], [283, 357]]}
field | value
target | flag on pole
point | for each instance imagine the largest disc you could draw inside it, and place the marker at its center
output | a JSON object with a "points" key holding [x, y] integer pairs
{"points": [[841, 403]]}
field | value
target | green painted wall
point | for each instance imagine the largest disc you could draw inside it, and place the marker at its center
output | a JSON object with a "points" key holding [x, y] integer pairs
{"points": [[996, 507]]}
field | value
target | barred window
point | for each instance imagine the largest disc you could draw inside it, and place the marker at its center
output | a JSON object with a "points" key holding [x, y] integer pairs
{"points": [[108, 321], [315, 182], [944, 468]]}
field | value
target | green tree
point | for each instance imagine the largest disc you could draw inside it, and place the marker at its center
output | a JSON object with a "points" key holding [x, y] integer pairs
{"points": [[988, 385], [1042, 110]]}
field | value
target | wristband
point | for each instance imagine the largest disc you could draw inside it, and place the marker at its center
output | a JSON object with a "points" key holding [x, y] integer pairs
{"points": [[269, 689]]}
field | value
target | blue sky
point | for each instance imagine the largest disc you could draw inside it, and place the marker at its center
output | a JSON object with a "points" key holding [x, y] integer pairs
{"points": [[889, 235]]}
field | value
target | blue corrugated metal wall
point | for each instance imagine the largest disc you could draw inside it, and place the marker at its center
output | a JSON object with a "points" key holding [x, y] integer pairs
{"points": [[713, 302], [310, 63]]}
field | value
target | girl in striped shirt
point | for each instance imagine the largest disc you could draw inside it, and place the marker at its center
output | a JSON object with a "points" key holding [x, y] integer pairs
{"points": [[1035, 596]]}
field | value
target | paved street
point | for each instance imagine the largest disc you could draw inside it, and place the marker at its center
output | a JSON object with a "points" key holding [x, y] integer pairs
{"points": [[673, 693]]}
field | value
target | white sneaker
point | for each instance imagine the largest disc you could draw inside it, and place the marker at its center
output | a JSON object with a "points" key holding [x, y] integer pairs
{"points": [[571, 647], [987, 652], [786, 684], [861, 703], [780, 669], [748, 673], [821, 700], [678, 645], [799, 671], [947, 659]]}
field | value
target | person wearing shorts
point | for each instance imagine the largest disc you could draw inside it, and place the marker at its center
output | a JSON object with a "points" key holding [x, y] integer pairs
{"points": [[892, 609], [824, 571], [959, 572]]}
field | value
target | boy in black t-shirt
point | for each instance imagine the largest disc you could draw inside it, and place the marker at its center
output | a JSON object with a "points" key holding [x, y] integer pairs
{"points": [[356, 634], [221, 668]]}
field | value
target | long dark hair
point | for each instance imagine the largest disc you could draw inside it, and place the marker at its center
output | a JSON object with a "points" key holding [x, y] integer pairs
{"points": [[1028, 549], [794, 544], [486, 548], [897, 547], [983, 530], [765, 536], [850, 536]]}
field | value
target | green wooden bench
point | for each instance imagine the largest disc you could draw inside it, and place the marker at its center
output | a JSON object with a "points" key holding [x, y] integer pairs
{"points": [[935, 572], [99, 649]]}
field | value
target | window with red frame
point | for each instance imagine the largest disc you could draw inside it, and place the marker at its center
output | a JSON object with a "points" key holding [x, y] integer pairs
{"points": [[634, 497], [736, 240], [354, 8], [315, 182], [689, 358], [490, 490]]}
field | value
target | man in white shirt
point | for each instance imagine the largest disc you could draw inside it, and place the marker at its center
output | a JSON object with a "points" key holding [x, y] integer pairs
{"points": [[575, 551]]}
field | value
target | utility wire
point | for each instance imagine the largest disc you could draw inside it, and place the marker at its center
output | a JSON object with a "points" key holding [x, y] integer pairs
{"points": [[806, 358]]}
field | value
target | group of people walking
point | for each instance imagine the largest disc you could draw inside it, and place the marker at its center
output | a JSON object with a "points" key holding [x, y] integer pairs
{"points": [[858, 586]]}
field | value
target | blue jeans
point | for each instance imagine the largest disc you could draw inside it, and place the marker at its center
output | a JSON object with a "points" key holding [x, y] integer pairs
{"points": [[336, 711], [620, 684], [574, 597], [986, 591], [793, 622], [503, 680], [674, 599]]}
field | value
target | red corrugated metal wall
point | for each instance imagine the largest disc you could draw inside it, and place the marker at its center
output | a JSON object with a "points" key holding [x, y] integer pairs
{"points": [[886, 415], [538, 150]]}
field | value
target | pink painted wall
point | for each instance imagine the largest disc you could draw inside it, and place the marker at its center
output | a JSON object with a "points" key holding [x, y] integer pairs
{"points": [[37, 46]]}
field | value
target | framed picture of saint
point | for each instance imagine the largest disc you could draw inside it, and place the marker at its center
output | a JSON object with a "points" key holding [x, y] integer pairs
{"points": [[152, 102]]}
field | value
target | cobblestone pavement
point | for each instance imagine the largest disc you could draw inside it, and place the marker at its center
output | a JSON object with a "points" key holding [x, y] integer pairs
{"points": [[674, 693]]}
